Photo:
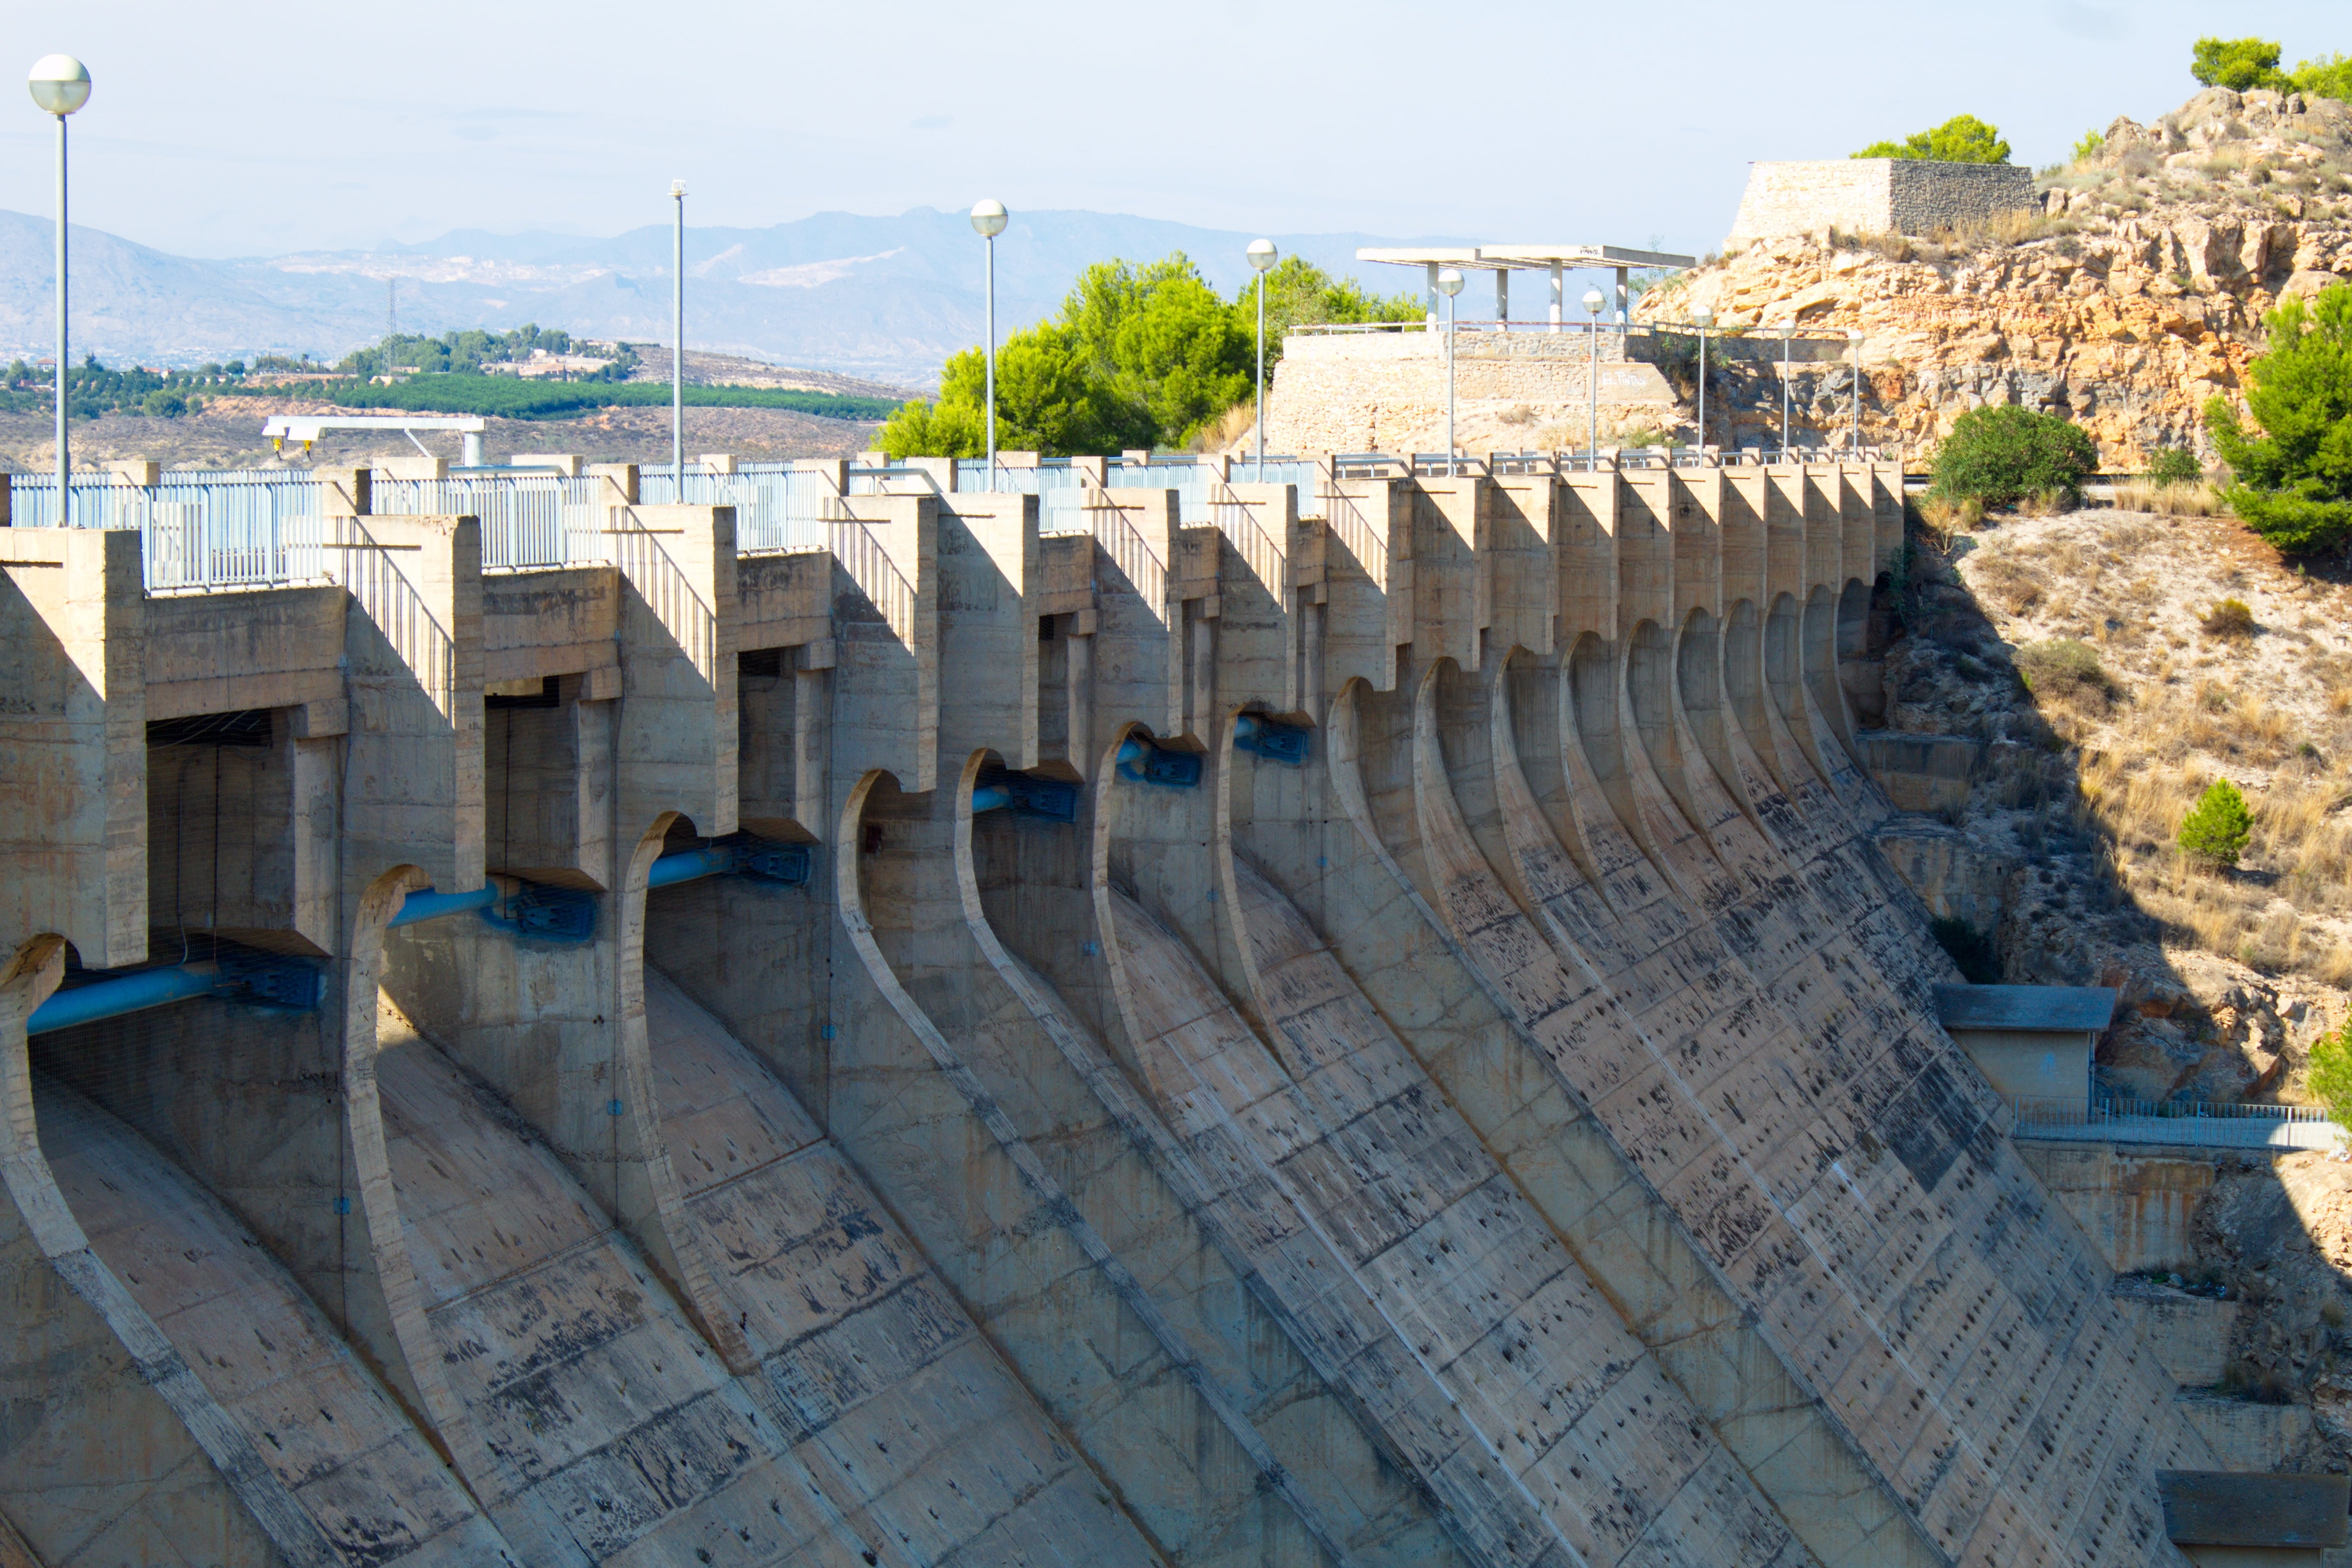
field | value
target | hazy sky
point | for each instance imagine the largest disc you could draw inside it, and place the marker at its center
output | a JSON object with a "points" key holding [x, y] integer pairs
{"points": [[230, 129]]}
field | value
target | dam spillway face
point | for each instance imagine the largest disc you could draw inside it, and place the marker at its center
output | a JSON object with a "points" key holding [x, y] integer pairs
{"points": [[1349, 1021]]}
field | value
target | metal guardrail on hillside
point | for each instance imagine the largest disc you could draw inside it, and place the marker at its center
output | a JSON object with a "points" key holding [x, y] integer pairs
{"points": [[2198, 1123]]}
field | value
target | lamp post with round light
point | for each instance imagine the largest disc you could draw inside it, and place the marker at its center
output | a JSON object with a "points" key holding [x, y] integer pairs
{"points": [[1449, 283], [1593, 301], [60, 84], [988, 221], [1702, 318], [678, 343], [1262, 255]]}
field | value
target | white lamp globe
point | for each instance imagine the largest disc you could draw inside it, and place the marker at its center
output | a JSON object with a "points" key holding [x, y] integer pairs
{"points": [[59, 83], [1261, 254], [989, 218], [1449, 282], [1702, 318], [1593, 301]]}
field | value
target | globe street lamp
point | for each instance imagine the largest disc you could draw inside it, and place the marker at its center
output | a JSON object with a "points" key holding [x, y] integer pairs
{"points": [[1449, 283], [60, 84], [988, 221], [1788, 394], [1262, 255], [1592, 303], [1702, 320], [678, 345]]}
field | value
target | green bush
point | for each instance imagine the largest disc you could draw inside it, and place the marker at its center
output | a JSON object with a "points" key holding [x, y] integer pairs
{"points": [[2215, 831], [2295, 481], [1962, 139], [165, 404], [2238, 64], [2331, 1073], [2062, 666], [2174, 466], [2000, 453], [2093, 143]]}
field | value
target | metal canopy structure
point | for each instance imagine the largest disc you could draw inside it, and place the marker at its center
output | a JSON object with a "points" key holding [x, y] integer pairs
{"points": [[306, 428], [1503, 260]]}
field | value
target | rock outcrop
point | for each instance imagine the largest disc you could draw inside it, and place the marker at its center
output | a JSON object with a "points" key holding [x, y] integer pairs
{"points": [[2134, 295]]}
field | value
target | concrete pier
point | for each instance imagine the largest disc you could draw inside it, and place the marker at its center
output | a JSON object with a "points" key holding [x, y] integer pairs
{"points": [[1349, 1021]]}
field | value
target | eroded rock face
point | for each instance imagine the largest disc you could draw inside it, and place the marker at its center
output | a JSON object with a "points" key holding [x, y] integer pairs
{"points": [[2136, 297]]}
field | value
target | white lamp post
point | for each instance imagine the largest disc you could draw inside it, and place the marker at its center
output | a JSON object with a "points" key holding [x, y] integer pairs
{"points": [[1262, 255], [60, 84], [1593, 301], [1449, 283], [1702, 320], [678, 345], [988, 221]]}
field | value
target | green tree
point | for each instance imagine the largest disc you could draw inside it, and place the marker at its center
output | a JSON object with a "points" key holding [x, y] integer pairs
{"points": [[2329, 75], [1999, 454], [1962, 139], [2238, 64], [1139, 356], [2174, 466], [2215, 831], [2090, 147], [164, 403], [2331, 1073], [2295, 481]]}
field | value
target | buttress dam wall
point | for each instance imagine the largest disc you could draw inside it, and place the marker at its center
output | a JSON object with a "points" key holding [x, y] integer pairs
{"points": [[1349, 1021]]}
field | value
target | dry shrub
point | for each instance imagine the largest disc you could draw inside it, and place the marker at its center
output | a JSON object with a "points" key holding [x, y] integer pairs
{"points": [[2066, 671], [2005, 577], [1945, 518], [2233, 618]]}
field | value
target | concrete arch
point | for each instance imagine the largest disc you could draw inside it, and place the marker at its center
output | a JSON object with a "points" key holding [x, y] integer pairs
{"points": [[1703, 708], [1592, 721], [1650, 678], [1820, 664]]}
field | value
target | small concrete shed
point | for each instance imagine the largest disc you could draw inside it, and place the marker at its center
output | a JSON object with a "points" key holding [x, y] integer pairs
{"points": [[2032, 1042], [2224, 1519]]}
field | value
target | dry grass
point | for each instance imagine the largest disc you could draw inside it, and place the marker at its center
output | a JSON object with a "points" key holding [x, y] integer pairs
{"points": [[2194, 499]]}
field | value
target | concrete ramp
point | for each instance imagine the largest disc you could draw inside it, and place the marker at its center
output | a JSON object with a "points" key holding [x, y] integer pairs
{"points": [[1569, 1438], [916, 1437], [340, 1446], [616, 1433], [1838, 1162]]}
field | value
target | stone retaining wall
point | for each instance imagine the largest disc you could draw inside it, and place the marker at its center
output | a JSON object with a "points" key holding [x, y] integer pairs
{"points": [[1874, 195]]}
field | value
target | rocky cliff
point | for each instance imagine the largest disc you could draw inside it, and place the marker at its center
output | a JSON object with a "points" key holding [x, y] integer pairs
{"points": [[2135, 295]]}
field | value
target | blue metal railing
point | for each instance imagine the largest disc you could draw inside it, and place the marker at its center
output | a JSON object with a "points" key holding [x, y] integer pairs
{"points": [[778, 506], [200, 532]]}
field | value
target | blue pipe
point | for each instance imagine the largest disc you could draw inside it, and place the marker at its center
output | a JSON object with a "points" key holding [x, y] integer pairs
{"points": [[156, 987], [991, 797], [129, 993], [689, 865], [429, 905]]}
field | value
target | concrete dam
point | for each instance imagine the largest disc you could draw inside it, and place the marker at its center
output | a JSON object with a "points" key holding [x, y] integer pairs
{"points": [[1348, 1021]]}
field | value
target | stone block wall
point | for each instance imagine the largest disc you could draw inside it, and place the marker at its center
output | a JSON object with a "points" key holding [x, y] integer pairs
{"points": [[1874, 195], [1386, 392]]}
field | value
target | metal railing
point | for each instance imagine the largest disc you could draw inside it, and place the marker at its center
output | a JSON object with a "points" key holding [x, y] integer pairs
{"points": [[1132, 554], [530, 521], [2201, 1123], [200, 532], [1257, 547], [780, 508], [870, 567]]}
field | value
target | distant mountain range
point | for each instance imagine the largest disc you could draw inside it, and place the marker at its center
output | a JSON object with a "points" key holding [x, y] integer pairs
{"points": [[889, 298]]}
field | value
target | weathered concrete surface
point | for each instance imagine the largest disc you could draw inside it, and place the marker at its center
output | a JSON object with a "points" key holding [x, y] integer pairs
{"points": [[1194, 1182]]}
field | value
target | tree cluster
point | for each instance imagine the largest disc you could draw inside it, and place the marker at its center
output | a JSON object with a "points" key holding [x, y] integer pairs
{"points": [[1962, 139], [2294, 480], [469, 351], [2002, 453], [1138, 357], [2243, 63], [91, 389]]}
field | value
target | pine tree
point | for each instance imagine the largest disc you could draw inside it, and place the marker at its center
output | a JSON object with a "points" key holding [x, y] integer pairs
{"points": [[2215, 831]]}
